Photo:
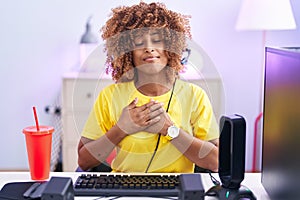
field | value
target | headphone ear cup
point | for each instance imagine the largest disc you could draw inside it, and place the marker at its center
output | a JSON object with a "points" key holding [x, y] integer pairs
{"points": [[184, 61]]}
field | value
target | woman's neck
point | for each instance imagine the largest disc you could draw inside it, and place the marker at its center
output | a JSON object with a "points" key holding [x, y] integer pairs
{"points": [[152, 89], [153, 86]]}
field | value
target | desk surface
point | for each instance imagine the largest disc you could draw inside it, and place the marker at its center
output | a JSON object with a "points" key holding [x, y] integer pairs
{"points": [[251, 181]]}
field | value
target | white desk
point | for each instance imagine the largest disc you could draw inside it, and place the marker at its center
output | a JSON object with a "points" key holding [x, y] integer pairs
{"points": [[252, 181]]}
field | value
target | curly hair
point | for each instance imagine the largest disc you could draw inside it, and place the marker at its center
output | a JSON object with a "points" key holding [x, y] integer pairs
{"points": [[127, 21]]}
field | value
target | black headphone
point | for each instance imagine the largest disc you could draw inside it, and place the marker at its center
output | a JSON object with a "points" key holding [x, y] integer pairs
{"points": [[185, 60]]}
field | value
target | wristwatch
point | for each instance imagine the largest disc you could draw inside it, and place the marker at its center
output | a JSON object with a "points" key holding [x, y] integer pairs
{"points": [[173, 132]]}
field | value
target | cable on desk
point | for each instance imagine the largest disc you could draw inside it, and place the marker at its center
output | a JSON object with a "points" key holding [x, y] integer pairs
{"points": [[213, 179]]}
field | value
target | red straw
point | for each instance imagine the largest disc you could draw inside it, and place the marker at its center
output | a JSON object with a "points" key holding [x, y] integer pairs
{"points": [[36, 119]]}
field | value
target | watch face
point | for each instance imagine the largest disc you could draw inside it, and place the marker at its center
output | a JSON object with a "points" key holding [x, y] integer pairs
{"points": [[173, 131]]}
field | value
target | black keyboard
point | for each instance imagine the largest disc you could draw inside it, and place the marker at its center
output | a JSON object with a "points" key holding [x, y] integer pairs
{"points": [[127, 185]]}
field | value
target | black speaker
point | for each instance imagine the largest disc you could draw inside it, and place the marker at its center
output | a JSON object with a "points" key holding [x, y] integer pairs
{"points": [[232, 160], [191, 187], [232, 150], [58, 188]]}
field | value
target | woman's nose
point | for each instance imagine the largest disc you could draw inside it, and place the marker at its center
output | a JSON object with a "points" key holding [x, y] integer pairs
{"points": [[149, 47]]}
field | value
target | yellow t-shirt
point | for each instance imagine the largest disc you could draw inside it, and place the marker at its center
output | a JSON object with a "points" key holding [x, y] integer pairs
{"points": [[190, 109]]}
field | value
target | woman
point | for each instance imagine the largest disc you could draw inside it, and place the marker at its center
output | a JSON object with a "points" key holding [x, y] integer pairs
{"points": [[155, 121]]}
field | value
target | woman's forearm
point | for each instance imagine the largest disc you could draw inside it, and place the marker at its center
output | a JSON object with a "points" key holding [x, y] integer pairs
{"points": [[93, 152], [202, 153]]}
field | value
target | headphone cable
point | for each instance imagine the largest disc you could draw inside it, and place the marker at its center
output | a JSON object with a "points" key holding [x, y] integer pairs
{"points": [[159, 135]]}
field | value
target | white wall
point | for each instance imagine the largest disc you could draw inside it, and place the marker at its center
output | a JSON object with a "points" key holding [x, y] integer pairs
{"points": [[40, 42]]}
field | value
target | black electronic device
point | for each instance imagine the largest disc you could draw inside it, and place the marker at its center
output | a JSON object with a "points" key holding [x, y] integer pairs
{"points": [[281, 123], [232, 151], [232, 160], [58, 188], [92, 184], [185, 186], [185, 59], [191, 187], [35, 191]]}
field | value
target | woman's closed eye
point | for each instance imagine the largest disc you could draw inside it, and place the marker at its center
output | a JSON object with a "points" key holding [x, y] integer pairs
{"points": [[158, 40], [142, 43], [155, 39], [138, 43]]}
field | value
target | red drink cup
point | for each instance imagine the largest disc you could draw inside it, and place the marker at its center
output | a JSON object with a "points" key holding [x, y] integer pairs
{"points": [[38, 143]]}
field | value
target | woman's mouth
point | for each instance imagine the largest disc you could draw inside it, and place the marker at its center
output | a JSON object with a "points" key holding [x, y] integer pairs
{"points": [[151, 58]]}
